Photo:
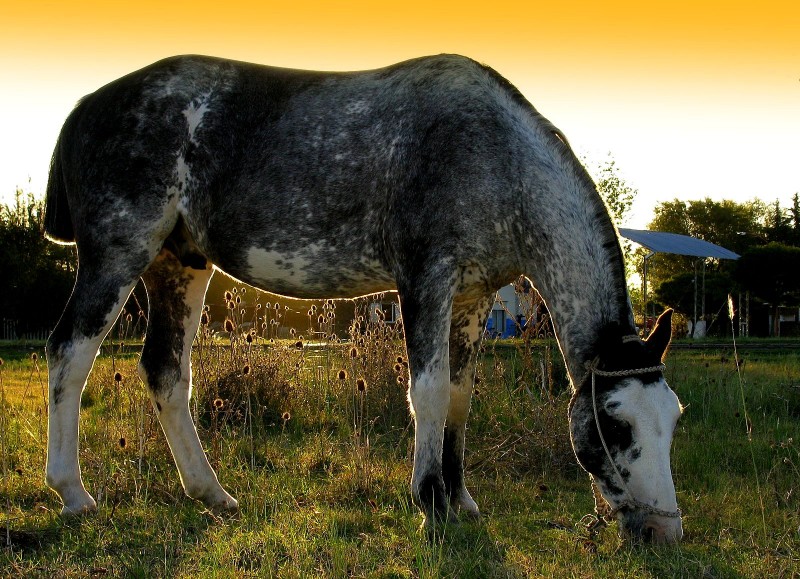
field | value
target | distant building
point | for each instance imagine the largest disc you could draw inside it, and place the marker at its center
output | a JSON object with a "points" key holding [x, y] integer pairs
{"points": [[515, 306]]}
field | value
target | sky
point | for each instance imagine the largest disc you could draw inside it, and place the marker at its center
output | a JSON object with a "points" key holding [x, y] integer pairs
{"points": [[691, 99]]}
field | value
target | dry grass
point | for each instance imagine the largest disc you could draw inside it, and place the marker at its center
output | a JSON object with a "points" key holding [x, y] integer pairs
{"points": [[311, 432]]}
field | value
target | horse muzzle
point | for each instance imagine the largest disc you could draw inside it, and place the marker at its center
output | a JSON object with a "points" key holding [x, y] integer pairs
{"points": [[650, 528]]}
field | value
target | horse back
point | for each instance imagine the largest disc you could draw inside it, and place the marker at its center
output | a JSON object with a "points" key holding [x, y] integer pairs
{"points": [[270, 160]]}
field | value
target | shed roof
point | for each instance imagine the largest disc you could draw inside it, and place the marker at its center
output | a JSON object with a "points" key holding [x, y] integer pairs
{"points": [[662, 242]]}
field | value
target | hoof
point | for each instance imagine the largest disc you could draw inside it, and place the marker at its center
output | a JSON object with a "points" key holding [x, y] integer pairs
{"points": [[470, 514], [466, 507], [222, 504], [86, 507], [215, 499], [228, 507]]}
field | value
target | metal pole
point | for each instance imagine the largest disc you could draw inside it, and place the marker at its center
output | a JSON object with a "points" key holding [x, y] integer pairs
{"points": [[703, 303], [644, 292]]}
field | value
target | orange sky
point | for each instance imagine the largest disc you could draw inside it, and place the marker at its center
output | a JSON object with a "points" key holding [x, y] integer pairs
{"points": [[691, 98]]}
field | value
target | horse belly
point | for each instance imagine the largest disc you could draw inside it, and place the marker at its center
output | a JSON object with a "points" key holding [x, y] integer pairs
{"points": [[312, 271]]}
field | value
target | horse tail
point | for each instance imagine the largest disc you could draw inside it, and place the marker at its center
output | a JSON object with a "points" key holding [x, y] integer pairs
{"points": [[57, 219]]}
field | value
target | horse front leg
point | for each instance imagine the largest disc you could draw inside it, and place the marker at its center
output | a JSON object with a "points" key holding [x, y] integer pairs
{"points": [[426, 310], [466, 330], [175, 294]]}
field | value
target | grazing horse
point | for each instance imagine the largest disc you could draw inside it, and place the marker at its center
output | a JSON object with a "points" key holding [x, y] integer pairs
{"points": [[433, 177]]}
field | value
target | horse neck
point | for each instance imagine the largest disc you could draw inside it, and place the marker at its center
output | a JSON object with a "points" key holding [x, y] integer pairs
{"points": [[575, 261], [580, 316]]}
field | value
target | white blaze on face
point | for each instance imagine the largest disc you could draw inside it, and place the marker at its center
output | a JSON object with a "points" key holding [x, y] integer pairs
{"points": [[652, 411]]}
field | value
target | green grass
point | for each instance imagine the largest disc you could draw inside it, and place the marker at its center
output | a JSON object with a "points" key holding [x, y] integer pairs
{"points": [[322, 470]]}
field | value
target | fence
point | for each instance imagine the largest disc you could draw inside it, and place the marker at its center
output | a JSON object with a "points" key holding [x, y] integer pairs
{"points": [[9, 330]]}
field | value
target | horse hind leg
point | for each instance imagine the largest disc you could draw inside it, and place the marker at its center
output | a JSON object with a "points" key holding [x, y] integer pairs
{"points": [[99, 294], [175, 295], [466, 330]]}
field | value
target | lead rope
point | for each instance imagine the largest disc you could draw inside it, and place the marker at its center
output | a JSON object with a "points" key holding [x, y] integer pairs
{"points": [[594, 522]]}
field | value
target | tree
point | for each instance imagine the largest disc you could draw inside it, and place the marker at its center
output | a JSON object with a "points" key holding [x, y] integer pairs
{"points": [[617, 194], [735, 226], [771, 273], [679, 293], [618, 197], [778, 224], [36, 276]]}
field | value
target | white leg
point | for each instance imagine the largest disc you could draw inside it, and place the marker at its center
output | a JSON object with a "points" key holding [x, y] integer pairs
{"points": [[71, 351], [426, 305], [429, 399]]}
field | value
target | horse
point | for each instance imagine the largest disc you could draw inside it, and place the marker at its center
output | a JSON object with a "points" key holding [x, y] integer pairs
{"points": [[433, 177]]}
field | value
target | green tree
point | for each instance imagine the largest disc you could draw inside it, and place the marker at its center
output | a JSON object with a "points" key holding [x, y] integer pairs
{"points": [[735, 226], [618, 197], [778, 224], [37, 275], [617, 194], [679, 293], [772, 274]]}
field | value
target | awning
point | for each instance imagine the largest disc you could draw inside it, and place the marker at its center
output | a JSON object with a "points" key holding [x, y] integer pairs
{"points": [[662, 242]]}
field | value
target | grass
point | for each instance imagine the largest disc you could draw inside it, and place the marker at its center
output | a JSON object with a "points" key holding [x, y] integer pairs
{"points": [[322, 466]]}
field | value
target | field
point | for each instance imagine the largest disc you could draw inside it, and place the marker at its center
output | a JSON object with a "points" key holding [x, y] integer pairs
{"points": [[314, 439]]}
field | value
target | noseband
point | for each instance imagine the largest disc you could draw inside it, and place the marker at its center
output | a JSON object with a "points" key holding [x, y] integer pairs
{"points": [[630, 501]]}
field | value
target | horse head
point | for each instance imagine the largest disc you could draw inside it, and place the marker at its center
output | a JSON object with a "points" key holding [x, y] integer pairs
{"points": [[622, 419]]}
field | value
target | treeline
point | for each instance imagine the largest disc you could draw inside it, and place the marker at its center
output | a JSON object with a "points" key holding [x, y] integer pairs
{"points": [[36, 275], [766, 236]]}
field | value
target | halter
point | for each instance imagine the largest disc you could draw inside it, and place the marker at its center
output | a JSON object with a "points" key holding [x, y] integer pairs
{"points": [[630, 502]]}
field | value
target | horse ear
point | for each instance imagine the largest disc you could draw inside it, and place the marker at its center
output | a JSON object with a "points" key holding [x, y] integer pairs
{"points": [[659, 338]]}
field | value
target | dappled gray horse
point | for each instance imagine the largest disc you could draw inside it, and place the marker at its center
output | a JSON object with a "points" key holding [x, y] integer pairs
{"points": [[434, 177]]}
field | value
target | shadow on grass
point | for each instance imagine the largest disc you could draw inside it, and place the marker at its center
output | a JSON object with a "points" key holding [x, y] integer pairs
{"points": [[131, 542]]}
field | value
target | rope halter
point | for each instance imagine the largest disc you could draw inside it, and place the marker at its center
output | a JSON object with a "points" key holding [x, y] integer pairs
{"points": [[630, 501]]}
